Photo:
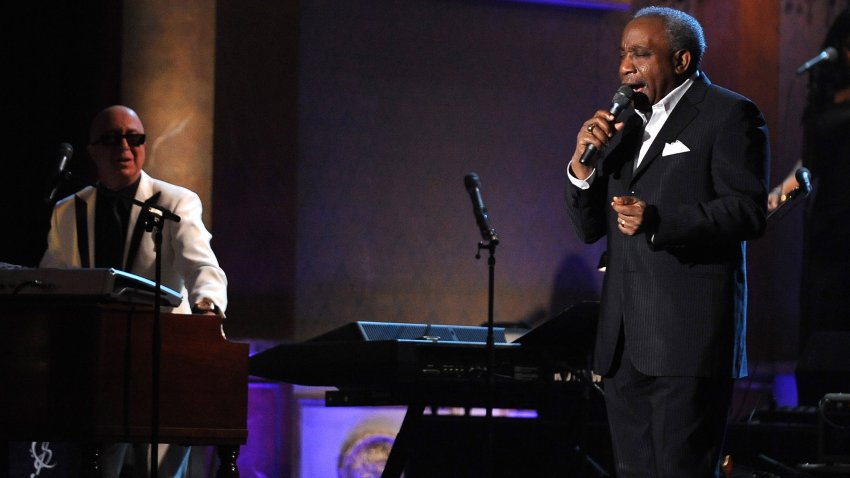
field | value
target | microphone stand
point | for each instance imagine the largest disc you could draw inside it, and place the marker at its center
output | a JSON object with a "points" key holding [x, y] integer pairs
{"points": [[490, 346], [153, 223], [154, 217], [489, 241]]}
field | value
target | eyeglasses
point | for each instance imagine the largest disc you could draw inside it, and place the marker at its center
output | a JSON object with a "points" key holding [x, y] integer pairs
{"points": [[114, 139]]}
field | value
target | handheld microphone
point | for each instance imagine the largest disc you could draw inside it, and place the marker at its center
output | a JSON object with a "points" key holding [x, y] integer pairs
{"points": [[473, 187], [66, 151], [621, 101], [827, 54]]}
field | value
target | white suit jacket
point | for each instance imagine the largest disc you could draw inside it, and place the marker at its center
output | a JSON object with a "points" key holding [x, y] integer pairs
{"points": [[189, 265]]}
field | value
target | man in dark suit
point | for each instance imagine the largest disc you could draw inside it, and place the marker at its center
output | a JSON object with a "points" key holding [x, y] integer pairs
{"points": [[680, 185]]}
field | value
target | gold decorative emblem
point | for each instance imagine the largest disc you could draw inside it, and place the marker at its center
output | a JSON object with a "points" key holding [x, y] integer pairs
{"points": [[365, 454]]}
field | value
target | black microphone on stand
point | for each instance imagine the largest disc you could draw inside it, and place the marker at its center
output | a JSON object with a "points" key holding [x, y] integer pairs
{"points": [[491, 239], [66, 151], [619, 102], [150, 211], [827, 54], [804, 179], [154, 217], [473, 187]]}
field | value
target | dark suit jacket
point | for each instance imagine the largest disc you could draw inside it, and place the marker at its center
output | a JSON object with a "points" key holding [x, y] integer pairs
{"points": [[679, 286]]}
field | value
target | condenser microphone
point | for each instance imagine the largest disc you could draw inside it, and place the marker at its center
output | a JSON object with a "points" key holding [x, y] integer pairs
{"points": [[804, 178], [827, 54], [66, 151], [621, 101], [473, 187]]}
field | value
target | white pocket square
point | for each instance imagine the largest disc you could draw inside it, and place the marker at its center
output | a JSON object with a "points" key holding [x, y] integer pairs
{"points": [[675, 147]]}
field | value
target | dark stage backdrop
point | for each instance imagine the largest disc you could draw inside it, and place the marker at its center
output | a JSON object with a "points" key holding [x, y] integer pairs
{"points": [[61, 63], [343, 131], [395, 103]]}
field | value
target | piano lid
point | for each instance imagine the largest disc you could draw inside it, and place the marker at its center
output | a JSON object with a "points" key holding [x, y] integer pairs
{"points": [[96, 284]]}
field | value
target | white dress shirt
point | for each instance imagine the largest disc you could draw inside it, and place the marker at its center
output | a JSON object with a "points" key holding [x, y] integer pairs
{"points": [[653, 121]]}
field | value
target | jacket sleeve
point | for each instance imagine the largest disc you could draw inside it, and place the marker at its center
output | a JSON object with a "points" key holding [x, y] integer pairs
{"points": [[193, 255], [587, 209]]}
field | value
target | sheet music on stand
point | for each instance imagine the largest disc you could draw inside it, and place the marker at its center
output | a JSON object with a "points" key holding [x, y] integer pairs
{"points": [[94, 284]]}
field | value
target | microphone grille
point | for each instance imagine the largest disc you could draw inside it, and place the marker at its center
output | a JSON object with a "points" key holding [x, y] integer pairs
{"points": [[804, 178], [66, 149], [471, 180], [623, 96], [831, 53]]}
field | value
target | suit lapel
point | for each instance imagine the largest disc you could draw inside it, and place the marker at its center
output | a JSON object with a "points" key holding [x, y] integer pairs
{"points": [[621, 164], [138, 232], [82, 223], [137, 226], [681, 116]]}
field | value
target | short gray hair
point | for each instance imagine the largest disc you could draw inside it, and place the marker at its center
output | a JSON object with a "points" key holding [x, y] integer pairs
{"points": [[683, 31]]}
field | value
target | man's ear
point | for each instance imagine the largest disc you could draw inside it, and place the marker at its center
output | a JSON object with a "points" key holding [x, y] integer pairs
{"points": [[682, 61]]}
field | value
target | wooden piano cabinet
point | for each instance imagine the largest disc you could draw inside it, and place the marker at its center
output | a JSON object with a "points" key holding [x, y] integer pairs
{"points": [[81, 372]]}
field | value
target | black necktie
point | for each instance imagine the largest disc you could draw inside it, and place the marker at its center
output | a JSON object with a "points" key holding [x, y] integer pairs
{"points": [[111, 215]]}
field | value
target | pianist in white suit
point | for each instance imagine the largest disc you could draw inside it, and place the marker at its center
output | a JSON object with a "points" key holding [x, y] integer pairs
{"points": [[76, 238], [95, 228]]}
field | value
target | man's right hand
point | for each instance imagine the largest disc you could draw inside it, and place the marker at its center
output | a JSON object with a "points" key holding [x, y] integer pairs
{"points": [[596, 131]]}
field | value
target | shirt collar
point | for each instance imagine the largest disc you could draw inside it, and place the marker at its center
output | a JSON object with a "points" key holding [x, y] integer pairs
{"points": [[666, 105], [112, 197]]}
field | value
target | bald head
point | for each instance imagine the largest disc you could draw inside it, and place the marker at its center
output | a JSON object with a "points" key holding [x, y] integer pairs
{"points": [[116, 145], [108, 117]]}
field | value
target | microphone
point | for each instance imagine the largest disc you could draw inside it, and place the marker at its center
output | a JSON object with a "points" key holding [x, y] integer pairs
{"points": [[621, 101], [66, 151], [827, 54], [473, 187], [159, 212], [804, 178], [153, 211]]}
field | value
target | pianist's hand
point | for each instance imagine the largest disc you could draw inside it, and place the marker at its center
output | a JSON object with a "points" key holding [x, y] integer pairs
{"points": [[206, 306]]}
